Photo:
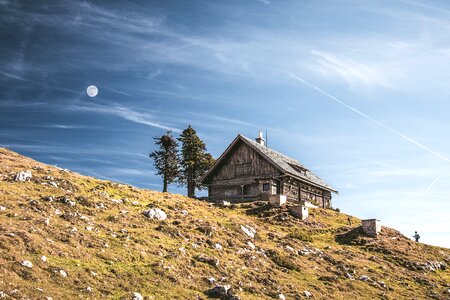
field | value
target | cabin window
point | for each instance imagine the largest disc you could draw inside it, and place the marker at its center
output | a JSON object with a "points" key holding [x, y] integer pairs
{"points": [[244, 169], [266, 187]]}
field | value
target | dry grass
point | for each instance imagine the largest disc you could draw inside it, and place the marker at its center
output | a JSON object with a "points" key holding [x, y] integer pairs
{"points": [[116, 251]]}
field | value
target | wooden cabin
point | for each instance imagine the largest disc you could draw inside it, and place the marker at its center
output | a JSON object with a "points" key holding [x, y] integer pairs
{"points": [[249, 170]]}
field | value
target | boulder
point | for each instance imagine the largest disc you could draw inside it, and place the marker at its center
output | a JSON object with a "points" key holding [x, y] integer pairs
{"points": [[248, 231], [137, 296], [223, 292], [23, 176], [27, 263], [155, 213]]}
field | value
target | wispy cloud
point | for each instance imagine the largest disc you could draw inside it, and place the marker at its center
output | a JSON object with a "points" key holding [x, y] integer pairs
{"points": [[125, 113]]}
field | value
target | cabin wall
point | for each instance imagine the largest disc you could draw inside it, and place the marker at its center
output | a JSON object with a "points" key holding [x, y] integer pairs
{"points": [[237, 173]]}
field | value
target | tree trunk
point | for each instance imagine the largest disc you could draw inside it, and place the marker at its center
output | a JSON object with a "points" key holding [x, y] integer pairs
{"points": [[191, 189], [164, 185]]}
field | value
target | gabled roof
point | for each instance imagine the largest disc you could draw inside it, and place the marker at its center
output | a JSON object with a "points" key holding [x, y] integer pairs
{"points": [[284, 163]]}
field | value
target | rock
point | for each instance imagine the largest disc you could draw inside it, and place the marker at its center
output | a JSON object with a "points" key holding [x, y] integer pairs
{"points": [[2, 208], [89, 289], [281, 297], [223, 292], [44, 258], [364, 278], [349, 276], [62, 273], [23, 176], [155, 213], [89, 228], [53, 184], [307, 294], [47, 222], [27, 263], [251, 245], [290, 249], [184, 212], [135, 203], [211, 280], [218, 246], [248, 231], [3, 294], [137, 296], [212, 261], [66, 200]]}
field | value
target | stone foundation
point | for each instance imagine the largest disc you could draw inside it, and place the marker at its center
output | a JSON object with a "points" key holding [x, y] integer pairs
{"points": [[277, 200], [299, 211], [371, 227]]}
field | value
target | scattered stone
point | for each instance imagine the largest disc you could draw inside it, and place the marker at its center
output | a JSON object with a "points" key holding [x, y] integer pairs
{"points": [[211, 280], [281, 297], [155, 213], [57, 212], [62, 273], [307, 294], [89, 289], [48, 198], [225, 203], [44, 258], [382, 284], [349, 276], [66, 200], [251, 245], [23, 176], [364, 278], [184, 212], [137, 296], [218, 246], [53, 184], [2, 208], [290, 249], [223, 292], [116, 201], [135, 203], [27, 263], [89, 228], [3, 294], [248, 231], [47, 222], [212, 261]]}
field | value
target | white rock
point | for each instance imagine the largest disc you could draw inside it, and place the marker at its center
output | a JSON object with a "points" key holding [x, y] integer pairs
{"points": [[289, 248], [155, 213], [62, 273], [116, 201], [281, 297], [89, 228], [40, 289], [251, 245], [93, 273], [53, 184], [57, 212], [248, 231], [135, 203], [137, 296], [218, 246], [47, 222], [44, 258], [184, 212], [48, 298], [2, 208], [3, 294], [27, 263], [211, 280], [89, 289], [23, 176], [307, 294]]}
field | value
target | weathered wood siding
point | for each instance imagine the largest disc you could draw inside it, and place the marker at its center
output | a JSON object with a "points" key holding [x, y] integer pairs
{"points": [[237, 172]]}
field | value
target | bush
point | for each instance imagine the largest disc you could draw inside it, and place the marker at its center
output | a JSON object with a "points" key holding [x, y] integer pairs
{"points": [[337, 209]]}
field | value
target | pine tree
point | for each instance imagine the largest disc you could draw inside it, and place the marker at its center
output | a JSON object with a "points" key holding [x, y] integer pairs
{"points": [[194, 160], [165, 159]]}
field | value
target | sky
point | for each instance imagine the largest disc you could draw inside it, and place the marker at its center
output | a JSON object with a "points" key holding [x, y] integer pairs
{"points": [[357, 91]]}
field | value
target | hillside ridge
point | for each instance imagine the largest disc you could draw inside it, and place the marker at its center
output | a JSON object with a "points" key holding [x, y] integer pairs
{"points": [[67, 236]]}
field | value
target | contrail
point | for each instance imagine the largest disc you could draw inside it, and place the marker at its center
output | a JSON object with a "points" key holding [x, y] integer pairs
{"points": [[430, 186], [369, 118]]}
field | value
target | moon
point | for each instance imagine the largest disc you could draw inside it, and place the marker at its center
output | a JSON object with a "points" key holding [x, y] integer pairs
{"points": [[92, 91]]}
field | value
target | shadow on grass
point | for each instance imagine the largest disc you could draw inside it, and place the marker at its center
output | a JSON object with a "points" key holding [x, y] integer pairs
{"points": [[352, 237], [258, 210]]}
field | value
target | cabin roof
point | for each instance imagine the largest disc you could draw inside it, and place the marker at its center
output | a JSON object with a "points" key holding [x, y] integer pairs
{"points": [[284, 163]]}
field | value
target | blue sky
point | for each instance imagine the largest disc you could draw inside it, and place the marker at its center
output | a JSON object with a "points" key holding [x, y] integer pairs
{"points": [[356, 90]]}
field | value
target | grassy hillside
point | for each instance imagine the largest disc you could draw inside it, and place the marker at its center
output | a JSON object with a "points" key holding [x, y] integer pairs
{"points": [[94, 232]]}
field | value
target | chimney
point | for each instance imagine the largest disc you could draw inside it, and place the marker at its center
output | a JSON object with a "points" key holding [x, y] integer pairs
{"points": [[260, 140]]}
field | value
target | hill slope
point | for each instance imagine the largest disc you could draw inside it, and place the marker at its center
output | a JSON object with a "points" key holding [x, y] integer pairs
{"points": [[98, 243]]}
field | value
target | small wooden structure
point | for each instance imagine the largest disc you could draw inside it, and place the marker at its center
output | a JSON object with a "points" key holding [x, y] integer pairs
{"points": [[249, 170]]}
